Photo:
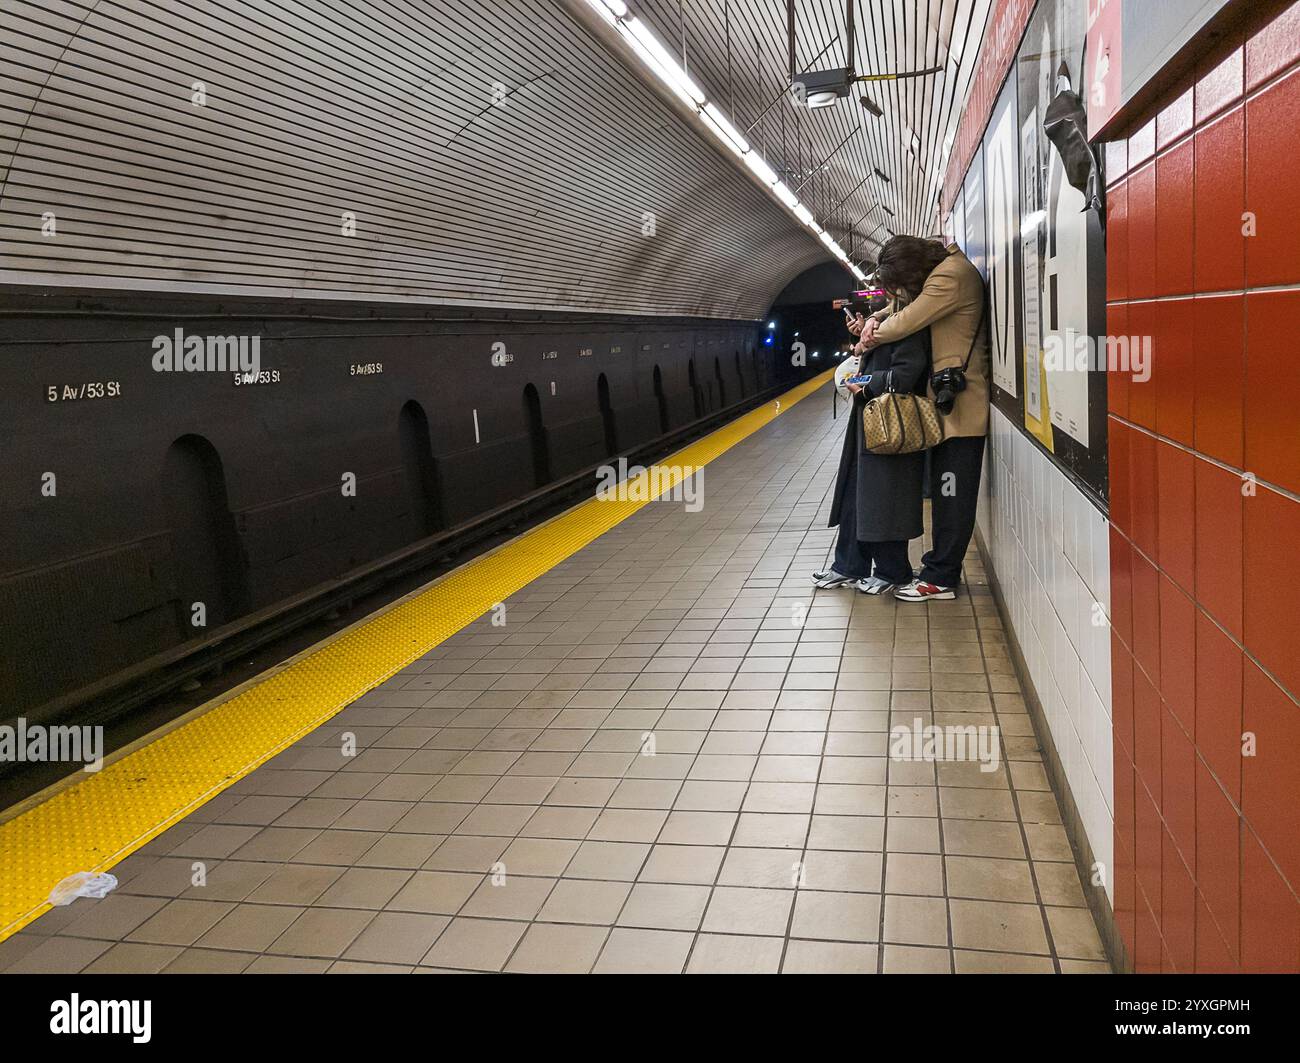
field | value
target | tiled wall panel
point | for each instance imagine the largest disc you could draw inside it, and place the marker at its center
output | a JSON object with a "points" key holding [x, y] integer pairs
{"points": [[1050, 549], [1203, 255]]}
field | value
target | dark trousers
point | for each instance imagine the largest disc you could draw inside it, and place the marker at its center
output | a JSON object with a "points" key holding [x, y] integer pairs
{"points": [[954, 493], [854, 558]]}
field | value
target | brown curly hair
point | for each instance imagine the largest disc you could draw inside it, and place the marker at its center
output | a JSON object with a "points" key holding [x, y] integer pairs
{"points": [[905, 262]]}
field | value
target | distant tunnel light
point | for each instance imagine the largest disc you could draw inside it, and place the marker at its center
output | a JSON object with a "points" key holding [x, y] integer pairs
{"points": [[767, 341], [771, 324]]}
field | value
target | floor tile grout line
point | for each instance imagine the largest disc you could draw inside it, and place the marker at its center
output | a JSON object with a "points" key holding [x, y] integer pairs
{"points": [[778, 592]]}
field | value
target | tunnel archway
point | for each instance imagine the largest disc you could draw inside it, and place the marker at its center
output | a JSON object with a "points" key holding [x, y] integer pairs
{"points": [[537, 436], [209, 565], [662, 400], [740, 376], [607, 415], [421, 468], [722, 387], [695, 388]]}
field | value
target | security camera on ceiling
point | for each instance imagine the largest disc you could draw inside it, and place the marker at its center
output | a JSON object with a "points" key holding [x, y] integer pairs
{"points": [[822, 88]]}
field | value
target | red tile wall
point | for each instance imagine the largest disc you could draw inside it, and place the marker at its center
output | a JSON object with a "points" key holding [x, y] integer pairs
{"points": [[1206, 603]]}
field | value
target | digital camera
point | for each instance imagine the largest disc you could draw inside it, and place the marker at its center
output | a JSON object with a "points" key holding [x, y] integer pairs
{"points": [[947, 384]]}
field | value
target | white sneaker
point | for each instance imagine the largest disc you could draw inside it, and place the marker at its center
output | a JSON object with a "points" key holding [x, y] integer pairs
{"points": [[875, 585], [830, 578], [920, 591]]}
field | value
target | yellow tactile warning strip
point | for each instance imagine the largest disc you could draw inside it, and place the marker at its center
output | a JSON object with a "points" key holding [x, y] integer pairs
{"points": [[105, 817]]}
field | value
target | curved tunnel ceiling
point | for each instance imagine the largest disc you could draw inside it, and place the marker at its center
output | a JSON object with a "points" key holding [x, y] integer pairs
{"points": [[737, 51], [491, 154]]}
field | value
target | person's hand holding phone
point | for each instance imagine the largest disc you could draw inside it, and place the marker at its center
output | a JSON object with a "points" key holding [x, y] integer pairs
{"points": [[856, 383], [856, 322]]}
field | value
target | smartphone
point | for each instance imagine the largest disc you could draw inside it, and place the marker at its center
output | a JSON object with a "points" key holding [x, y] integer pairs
{"points": [[864, 379]]}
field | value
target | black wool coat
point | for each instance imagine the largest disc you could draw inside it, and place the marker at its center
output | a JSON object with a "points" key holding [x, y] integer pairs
{"points": [[886, 487]]}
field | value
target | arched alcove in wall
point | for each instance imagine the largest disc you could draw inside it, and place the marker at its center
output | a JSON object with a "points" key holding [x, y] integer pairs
{"points": [[607, 415], [421, 470], [537, 437], [208, 563]]}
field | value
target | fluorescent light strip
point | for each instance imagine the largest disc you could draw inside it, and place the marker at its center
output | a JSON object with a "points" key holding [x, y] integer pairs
{"points": [[633, 29], [648, 48], [760, 169], [784, 194], [609, 10], [725, 131]]}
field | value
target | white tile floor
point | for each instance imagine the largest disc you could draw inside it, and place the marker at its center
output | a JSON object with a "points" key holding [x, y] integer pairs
{"points": [[673, 755]]}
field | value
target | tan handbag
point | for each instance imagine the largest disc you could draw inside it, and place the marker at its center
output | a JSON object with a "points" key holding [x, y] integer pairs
{"points": [[900, 424]]}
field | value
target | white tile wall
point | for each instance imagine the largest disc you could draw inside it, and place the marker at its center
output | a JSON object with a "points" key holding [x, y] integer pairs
{"points": [[1050, 550]]}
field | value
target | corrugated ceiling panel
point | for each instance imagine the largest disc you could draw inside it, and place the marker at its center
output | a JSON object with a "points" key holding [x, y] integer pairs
{"points": [[492, 154], [737, 51]]}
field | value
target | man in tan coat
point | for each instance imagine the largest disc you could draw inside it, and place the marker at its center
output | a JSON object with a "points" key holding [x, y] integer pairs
{"points": [[937, 287]]}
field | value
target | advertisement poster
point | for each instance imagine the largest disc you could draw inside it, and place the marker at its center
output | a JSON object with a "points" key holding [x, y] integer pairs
{"points": [[1055, 221], [1061, 245], [1002, 230], [1030, 229], [1041, 248]]}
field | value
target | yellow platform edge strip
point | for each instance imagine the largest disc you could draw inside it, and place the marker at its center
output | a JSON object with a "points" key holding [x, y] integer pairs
{"points": [[100, 820]]}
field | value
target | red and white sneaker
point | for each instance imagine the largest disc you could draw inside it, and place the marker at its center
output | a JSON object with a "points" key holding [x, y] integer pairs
{"points": [[920, 591]]}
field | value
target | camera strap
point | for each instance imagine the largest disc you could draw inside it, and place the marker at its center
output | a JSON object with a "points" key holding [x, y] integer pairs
{"points": [[979, 325]]}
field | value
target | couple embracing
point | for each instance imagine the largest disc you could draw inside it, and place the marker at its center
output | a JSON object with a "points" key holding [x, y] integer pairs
{"points": [[929, 341]]}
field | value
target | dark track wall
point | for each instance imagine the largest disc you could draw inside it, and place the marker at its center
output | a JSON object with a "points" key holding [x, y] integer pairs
{"points": [[130, 494]]}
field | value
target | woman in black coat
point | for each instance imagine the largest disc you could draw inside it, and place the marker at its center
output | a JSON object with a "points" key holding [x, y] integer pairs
{"points": [[877, 501]]}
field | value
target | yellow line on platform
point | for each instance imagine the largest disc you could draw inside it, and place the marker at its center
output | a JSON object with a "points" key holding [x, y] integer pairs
{"points": [[103, 818]]}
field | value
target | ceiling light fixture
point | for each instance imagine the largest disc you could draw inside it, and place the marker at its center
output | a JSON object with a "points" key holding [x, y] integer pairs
{"points": [[660, 61], [822, 88]]}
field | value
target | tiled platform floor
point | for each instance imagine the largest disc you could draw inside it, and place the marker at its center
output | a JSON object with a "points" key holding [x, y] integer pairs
{"points": [[671, 756]]}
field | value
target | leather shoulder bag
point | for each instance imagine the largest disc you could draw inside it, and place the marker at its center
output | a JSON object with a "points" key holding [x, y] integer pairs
{"points": [[895, 423], [900, 423]]}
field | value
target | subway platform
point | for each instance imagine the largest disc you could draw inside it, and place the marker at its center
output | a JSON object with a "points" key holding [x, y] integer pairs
{"points": [[663, 752]]}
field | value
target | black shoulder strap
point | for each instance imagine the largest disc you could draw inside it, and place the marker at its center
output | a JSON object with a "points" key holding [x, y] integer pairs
{"points": [[979, 326]]}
